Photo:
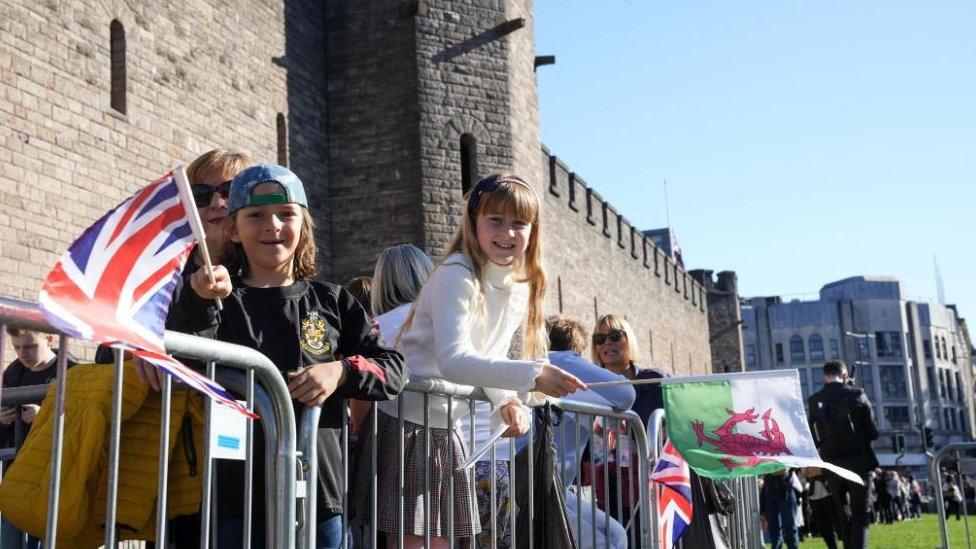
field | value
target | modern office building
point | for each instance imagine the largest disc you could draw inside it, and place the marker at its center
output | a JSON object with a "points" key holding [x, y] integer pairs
{"points": [[912, 358]]}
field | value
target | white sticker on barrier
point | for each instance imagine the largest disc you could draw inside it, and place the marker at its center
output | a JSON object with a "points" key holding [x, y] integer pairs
{"points": [[228, 433], [625, 450]]}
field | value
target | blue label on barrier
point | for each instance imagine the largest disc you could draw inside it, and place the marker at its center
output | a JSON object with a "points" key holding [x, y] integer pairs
{"points": [[232, 443]]}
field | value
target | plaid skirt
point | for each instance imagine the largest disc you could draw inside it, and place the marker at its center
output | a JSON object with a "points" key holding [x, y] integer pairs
{"points": [[388, 480]]}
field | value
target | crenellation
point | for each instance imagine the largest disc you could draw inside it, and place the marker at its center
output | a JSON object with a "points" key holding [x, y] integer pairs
{"points": [[592, 200], [574, 183], [633, 242], [621, 222]]}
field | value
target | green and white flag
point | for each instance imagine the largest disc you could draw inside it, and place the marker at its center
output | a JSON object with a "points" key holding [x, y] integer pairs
{"points": [[742, 424]]}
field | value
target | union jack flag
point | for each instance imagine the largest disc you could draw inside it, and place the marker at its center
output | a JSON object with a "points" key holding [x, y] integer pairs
{"points": [[115, 283], [674, 495]]}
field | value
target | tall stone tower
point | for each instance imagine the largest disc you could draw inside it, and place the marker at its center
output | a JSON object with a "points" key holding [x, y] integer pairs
{"points": [[724, 319], [455, 85]]}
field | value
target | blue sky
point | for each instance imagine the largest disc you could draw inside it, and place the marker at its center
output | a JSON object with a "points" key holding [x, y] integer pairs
{"points": [[803, 142]]}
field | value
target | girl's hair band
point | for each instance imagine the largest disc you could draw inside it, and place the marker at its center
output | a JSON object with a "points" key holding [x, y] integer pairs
{"points": [[489, 184]]}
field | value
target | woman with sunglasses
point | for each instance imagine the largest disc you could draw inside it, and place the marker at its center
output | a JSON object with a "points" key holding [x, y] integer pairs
{"points": [[615, 348], [210, 176]]}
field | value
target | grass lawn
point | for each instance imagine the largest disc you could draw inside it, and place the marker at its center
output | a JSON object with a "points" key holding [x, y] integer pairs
{"points": [[921, 534]]}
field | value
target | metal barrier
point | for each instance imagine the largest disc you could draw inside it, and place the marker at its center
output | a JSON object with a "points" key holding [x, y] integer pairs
{"points": [[601, 518], [269, 397], [936, 470], [639, 534]]}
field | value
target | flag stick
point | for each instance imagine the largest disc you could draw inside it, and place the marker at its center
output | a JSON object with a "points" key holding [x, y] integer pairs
{"points": [[186, 196], [624, 382], [499, 433]]}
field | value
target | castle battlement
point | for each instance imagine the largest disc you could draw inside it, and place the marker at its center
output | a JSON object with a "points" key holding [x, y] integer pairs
{"points": [[577, 199]]}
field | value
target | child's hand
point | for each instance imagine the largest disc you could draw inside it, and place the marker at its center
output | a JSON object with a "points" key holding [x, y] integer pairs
{"points": [[516, 416], [28, 412], [313, 385], [555, 381], [218, 289]]}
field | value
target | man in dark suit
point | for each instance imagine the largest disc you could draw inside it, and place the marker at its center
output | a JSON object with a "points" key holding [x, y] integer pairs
{"points": [[843, 427]]}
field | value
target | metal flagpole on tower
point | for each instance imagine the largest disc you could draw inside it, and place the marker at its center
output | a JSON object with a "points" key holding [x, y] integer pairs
{"points": [[667, 213]]}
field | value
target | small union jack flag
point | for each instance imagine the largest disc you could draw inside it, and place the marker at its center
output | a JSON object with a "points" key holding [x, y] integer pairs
{"points": [[674, 495], [115, 283]]}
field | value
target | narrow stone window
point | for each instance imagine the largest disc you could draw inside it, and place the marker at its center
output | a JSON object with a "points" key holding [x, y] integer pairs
{"points": [[117, 59], [469, 162], [282, 126], [596, 311], [650, 344]]}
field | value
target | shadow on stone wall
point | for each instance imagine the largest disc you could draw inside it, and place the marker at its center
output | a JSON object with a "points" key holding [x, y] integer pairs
{"points": [[305, 145]]}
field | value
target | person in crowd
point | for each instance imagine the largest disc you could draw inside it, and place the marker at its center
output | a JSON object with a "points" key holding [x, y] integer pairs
{"points": [[316, 333], [460, 328], [914, 498], [952, 496], [400, 273], [36, 364], [615, 349], [842, 424], [398, 276], [882, 497], [822, 507], [360, 288], [567, 343], [777, 505], [210, 176], [893, 484]]}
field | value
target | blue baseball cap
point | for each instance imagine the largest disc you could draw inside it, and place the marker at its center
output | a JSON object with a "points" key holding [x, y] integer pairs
{"points": [[242, 188]]}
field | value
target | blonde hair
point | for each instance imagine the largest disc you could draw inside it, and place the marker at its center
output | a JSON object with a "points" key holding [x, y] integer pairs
{"points": [[217, 161], [617, 322], [505, 193], [303, 264], [398, 277]]}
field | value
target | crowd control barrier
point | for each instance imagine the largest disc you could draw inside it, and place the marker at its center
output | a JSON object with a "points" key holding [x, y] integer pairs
{"points": [[940, 502], [605, 458], [243, 370]]}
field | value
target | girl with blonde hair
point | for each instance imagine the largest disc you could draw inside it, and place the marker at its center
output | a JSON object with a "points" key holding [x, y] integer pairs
{"points": [[460, 327]]}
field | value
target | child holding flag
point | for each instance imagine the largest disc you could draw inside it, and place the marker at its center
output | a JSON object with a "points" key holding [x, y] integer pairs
{"points": [[460, 329], [316, 333]]}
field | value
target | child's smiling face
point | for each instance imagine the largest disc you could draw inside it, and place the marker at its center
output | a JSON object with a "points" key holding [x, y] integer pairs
{"points": [[269, 233], [502, 237]]}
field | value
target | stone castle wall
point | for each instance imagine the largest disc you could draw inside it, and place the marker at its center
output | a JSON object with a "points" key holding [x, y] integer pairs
{"points": [[198, 77], [598, 263], [366, 101]]}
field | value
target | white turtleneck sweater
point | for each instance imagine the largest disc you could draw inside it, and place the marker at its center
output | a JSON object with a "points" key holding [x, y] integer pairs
{"points": [[454, 338]]}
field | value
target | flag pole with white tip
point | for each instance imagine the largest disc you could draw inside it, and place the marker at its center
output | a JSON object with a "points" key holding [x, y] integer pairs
{"points": [[186, 197]]}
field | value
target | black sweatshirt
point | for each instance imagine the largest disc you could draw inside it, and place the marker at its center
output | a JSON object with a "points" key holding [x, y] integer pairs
{"points": [[296, 326]]}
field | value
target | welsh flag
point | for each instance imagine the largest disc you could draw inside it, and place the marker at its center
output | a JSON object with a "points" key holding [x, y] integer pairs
{"points": [[741, 424]]}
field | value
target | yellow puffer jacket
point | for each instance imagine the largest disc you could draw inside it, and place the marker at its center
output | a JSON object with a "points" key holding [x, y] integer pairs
{"points": [[84, 472]]}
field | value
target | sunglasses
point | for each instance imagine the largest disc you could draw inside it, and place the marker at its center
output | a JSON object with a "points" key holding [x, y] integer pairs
{"points": [[613, 335], [203, 193]]}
